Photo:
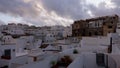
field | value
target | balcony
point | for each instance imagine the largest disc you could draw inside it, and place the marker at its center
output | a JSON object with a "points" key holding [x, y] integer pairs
{"points": [[6, 57]]}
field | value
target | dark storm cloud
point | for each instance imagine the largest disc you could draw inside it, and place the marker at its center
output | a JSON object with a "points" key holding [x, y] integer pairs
{"points": [[74, 9], [77, 9], [64, 10], [17, 8]]}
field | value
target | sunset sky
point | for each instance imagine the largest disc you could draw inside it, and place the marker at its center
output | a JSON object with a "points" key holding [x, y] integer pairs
{"points": [[54, 12]]}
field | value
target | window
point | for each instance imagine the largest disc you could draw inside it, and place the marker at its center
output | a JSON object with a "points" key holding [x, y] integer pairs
{"points": [[113, 17], [13, 50], [109, 31], [109, 26], [104, 23], [90, 34], [95, 24], [111, 22], [96, 33], [99, 24], [7, 52], [100, 59]]}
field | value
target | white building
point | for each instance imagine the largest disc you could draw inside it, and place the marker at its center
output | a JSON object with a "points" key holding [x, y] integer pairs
{"points": [[7, 53], [118, 28], [37, 43], [94, 60], [7, 40], [13, 29]]}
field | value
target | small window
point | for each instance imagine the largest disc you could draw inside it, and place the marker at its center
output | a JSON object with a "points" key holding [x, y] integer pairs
{"points": [[111, 22], [98, 24], [109, 26], [104, 23], [13, 50], [95, 24], [100, 59], [90, 34], [109, 31], [96, 33], [113, 17]]}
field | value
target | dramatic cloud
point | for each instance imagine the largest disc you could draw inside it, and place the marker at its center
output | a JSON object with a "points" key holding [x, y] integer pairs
{"points": [[74, 9], [18, 8], [56, 12], [109, 7], [33, 12]]}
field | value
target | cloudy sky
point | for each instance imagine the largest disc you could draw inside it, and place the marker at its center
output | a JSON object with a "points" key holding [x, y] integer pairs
{"points": [[54, 12]]}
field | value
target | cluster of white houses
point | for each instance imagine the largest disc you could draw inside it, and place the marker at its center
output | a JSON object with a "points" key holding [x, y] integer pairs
{"points": [[23, 46]]}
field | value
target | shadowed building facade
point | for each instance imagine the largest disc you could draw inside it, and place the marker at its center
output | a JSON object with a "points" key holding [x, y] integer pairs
{"points": [[99, 26]]}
